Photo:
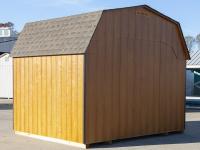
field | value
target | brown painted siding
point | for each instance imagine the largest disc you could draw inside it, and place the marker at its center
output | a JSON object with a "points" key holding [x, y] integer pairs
{"points": [[48, 96], [135, 77]]}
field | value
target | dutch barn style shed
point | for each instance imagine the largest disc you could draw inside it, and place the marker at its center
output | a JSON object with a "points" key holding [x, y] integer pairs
{"points": [[100, 76]]}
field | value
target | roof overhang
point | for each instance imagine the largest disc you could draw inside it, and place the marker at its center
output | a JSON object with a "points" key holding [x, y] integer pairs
{"points": [[4, 54]]}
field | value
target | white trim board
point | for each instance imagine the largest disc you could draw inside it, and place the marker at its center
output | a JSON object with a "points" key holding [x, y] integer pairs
{"points": [[193, 66], [192, 98], [49, 139]]}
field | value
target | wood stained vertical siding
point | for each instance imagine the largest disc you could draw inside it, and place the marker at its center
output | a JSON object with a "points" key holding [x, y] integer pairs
{"points": [[48, 96], [135, 77]]}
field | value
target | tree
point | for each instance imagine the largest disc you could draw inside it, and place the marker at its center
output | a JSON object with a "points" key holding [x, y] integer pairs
{"points": [[190, 40], [198, 41]]}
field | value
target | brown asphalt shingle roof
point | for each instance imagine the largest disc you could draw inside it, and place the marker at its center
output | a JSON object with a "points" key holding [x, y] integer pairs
{"points": [[67, 35]]}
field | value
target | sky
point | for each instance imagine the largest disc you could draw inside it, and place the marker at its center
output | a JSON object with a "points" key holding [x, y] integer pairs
{"points": [[187, 12]]}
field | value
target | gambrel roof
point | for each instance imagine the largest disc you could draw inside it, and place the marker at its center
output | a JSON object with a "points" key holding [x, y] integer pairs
{"points": [[67, 35]]}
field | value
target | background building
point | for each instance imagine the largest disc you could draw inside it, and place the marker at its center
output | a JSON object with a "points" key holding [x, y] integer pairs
{"points": [[7, 30], [193, 76], [8, 37]]}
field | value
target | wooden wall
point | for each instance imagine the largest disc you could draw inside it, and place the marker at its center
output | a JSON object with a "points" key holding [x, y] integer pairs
{"points": [[48, 96], [135, 77]]}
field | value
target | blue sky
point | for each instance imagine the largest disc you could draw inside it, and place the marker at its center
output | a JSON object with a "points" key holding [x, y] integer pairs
{"points": [[21, 11]]}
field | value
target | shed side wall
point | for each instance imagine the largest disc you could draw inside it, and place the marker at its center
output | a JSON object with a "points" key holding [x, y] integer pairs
{"points": [[48, 96], [135, 77]]}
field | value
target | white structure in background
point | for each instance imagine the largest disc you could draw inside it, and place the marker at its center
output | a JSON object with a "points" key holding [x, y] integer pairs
{"points": [[7, 30], [8, 37], [6, 76]]}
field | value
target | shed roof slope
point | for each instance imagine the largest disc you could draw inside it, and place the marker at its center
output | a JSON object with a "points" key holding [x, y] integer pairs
{"points": [[195, 59], [66, 35]]}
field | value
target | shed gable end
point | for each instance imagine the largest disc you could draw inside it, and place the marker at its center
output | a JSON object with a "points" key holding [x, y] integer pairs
{"points": [[166, 31], [178, 30], [130, 65]]}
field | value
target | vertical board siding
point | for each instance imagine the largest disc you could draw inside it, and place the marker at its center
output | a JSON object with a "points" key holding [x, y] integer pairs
{"points": [[15, 66], [134, 77], [116, 78], [48, 96], [44, 96], [26, 101]]}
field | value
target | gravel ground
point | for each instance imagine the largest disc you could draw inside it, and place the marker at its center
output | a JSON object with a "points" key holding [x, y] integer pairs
{"points": [[190, 139]]}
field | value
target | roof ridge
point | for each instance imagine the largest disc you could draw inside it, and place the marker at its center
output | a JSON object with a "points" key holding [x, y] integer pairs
{"points": [[89, 12], [64, 17]]}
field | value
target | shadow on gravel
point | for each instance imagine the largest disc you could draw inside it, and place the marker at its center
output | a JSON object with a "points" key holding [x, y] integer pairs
{"points": [[6, 106], [190, 135]]}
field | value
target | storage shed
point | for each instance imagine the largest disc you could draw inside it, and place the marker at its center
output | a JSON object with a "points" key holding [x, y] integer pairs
{"points": [[100, 76]]}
